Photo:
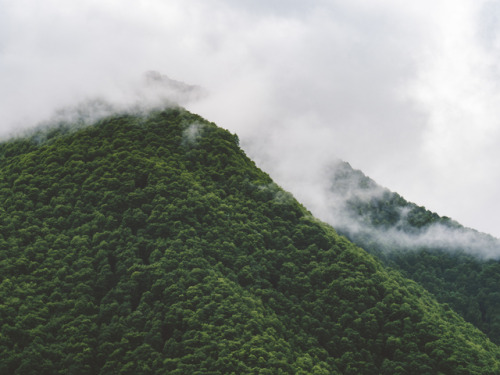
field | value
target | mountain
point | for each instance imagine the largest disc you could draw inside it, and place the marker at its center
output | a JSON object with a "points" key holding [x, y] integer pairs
{"points": [[172, 90], [459, 265], [150, 244]]}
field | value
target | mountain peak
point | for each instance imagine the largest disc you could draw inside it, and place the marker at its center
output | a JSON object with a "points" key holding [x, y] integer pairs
{"points": [[179, 91]]}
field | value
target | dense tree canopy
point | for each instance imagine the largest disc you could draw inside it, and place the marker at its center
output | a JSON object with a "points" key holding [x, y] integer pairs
{"points": [[152, 245]]}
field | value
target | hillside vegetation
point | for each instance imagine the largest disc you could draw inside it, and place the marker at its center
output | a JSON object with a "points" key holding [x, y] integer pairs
{"points": [[460, 266], [152, 245]]}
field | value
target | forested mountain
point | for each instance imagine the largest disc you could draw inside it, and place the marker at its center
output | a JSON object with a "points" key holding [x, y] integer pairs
{"points": [[460, 266], [152, 245]]}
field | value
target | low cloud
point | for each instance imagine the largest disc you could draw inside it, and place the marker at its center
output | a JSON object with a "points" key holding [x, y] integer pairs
{"points": [[153, 92]]}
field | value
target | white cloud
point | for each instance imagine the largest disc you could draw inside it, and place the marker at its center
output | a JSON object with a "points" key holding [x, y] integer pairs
{"points": [[404, 91]]}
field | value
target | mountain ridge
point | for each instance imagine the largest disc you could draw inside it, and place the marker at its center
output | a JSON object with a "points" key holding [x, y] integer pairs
{"points": [[370, 209]]}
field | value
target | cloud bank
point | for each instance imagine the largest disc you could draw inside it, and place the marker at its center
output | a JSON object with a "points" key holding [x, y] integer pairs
{"points": [[405, 92]]}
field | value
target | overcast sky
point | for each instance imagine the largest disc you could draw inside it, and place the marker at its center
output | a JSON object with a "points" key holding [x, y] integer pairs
{"points": [[408, 92]]}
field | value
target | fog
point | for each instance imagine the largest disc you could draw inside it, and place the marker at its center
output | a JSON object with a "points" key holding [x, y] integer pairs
{"points": [[405, 92]]}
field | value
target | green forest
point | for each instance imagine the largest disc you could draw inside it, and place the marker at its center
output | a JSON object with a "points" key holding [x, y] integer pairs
{"points": [[150, 244], [457, 275]]}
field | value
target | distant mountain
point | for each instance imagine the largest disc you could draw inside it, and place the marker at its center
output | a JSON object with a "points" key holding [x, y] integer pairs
{"points": [[150, 244], [176, 91], [459, 265]]}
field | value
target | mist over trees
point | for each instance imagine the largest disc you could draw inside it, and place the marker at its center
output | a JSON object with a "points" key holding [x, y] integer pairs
{"points": [[150, 244]]}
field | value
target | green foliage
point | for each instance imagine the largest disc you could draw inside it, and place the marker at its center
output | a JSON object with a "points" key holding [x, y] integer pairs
{"points": [[153, 245], [467, 283]]}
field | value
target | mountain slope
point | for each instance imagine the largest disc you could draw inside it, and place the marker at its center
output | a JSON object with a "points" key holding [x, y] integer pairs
{"points": [[460, 266], [152, 244]]}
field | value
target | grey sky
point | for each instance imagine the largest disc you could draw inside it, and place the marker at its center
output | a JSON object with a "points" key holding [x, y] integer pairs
{"points": [[405, 92]]}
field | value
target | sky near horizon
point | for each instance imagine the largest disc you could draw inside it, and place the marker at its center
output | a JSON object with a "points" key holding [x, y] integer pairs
{"points": [[407, 92]]}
